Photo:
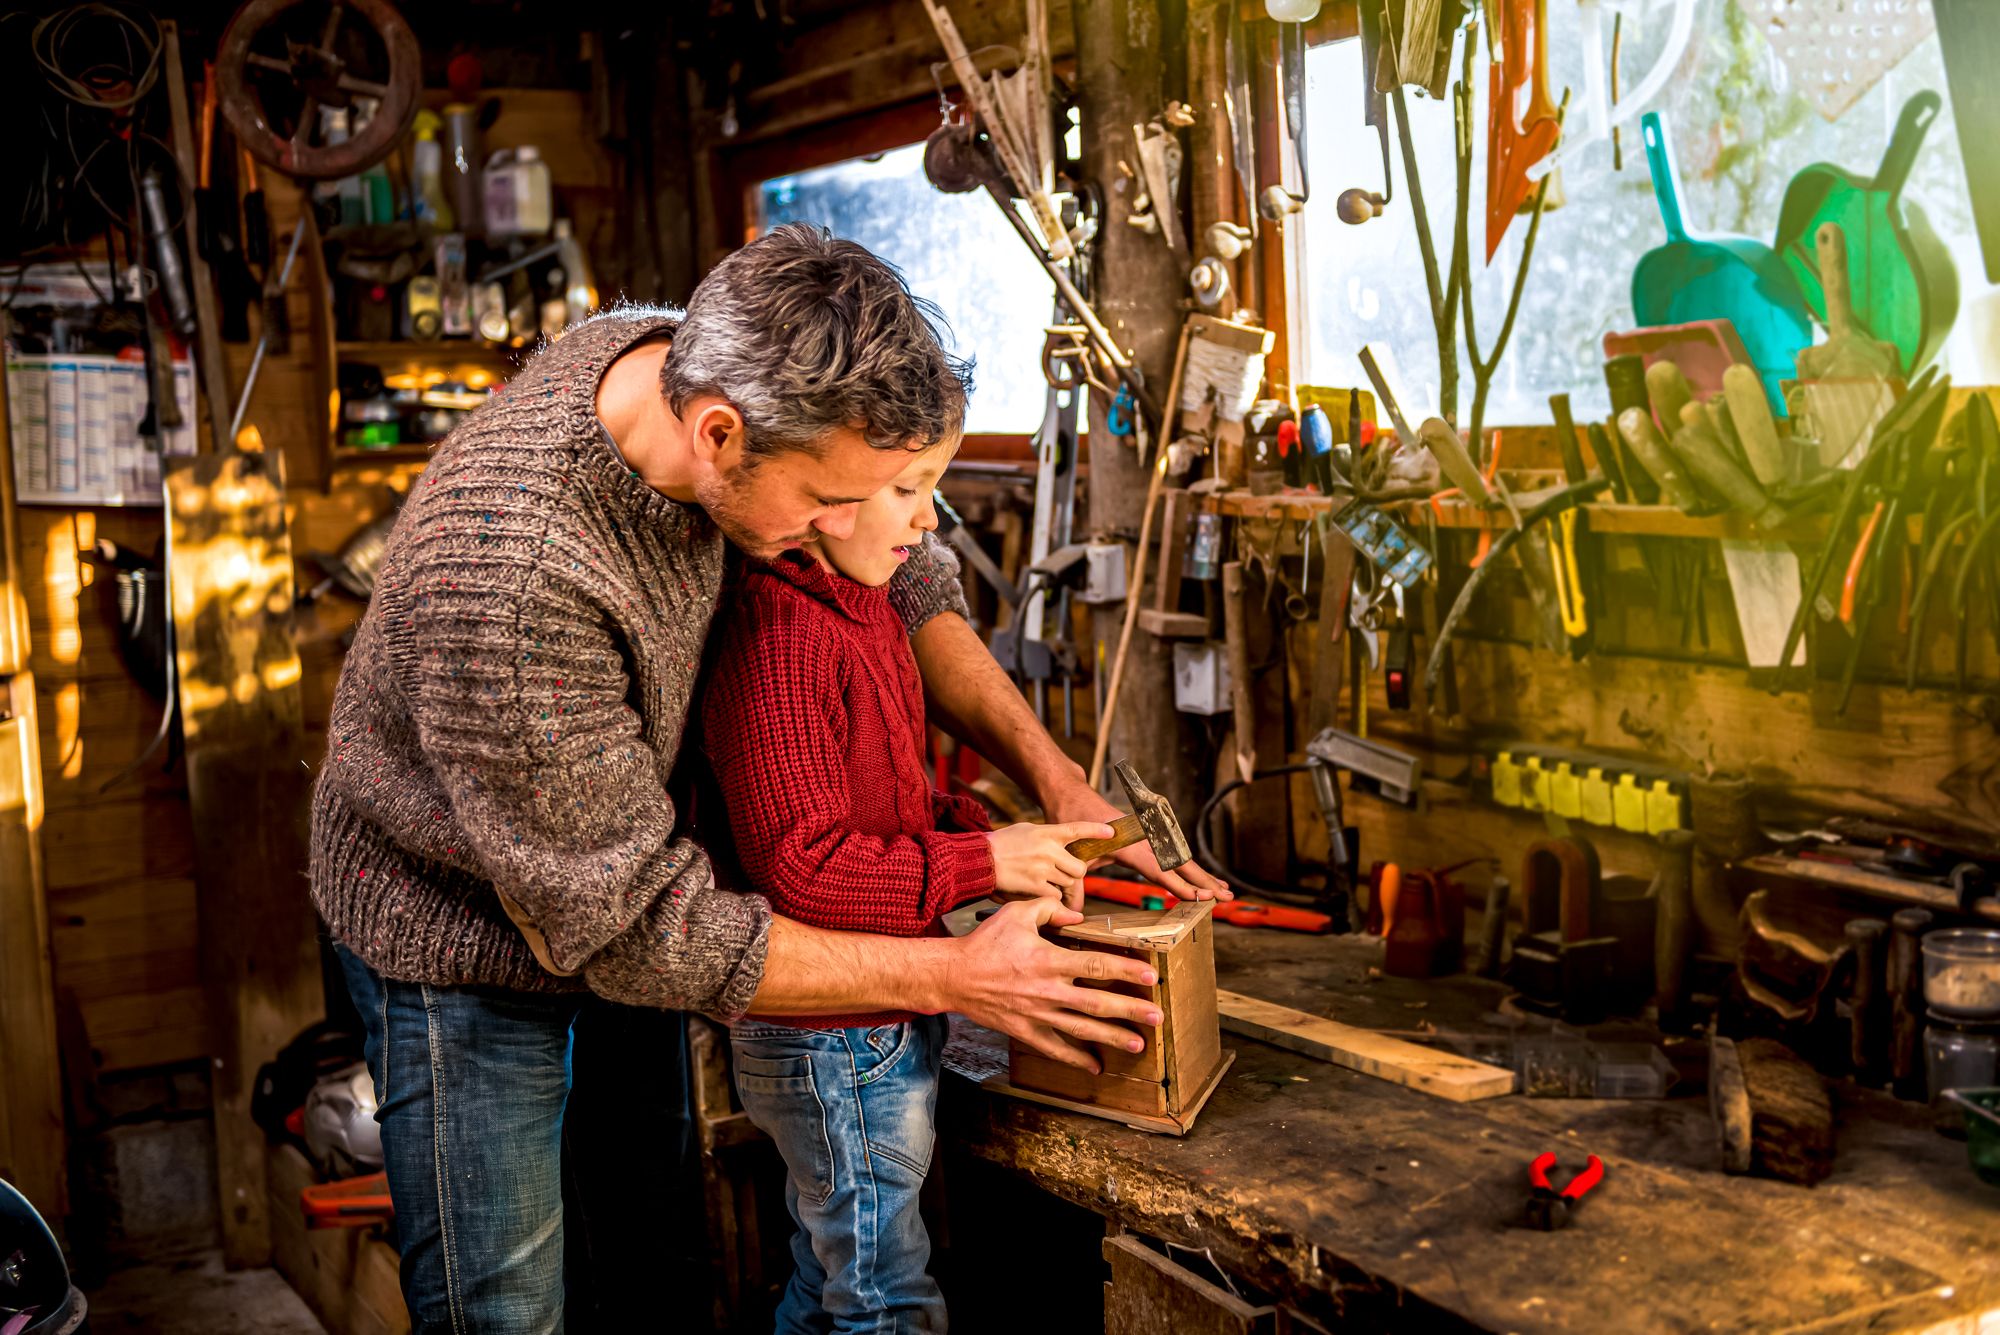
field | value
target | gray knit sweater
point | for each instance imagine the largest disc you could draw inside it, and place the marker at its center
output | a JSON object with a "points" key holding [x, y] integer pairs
{"points": [[514, 704]]}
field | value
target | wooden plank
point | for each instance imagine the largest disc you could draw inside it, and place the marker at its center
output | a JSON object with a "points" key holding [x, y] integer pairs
{"points": [[211, 361], [1148, 1293], [239, 686], [1029, 1069], [32, 1150], [1191, 1034], [1173, 625], [1459, 1079], [155, 839], [133, 1030]]}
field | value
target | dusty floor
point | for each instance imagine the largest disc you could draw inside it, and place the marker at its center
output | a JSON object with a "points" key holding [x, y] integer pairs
{"points": [[193, 1295]]}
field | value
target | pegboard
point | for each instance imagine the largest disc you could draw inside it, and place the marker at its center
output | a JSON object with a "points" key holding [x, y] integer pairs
{"points": [[1837, 50]]}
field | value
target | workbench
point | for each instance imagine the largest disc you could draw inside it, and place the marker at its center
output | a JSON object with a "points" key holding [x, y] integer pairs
{"points": [[1366, 1206]]}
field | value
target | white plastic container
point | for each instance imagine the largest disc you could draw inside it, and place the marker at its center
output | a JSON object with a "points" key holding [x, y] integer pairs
{"points": [[519, 196]]}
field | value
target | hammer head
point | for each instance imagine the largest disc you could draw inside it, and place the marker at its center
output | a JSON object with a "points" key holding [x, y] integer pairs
{"points": [[1156, 818]]}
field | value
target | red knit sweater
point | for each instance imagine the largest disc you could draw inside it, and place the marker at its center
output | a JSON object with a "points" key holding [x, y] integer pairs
{"points": [[813, 719]]}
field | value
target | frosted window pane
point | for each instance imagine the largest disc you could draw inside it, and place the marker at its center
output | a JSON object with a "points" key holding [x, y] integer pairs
{"points": [[1739, 133], [955, 250]]}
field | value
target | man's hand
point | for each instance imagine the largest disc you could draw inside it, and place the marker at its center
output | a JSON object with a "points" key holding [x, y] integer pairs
{"points": [[1076, 800], [1004, 976]]}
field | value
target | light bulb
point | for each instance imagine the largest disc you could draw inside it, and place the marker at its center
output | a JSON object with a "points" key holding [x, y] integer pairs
{"points": [[1292, 11]]}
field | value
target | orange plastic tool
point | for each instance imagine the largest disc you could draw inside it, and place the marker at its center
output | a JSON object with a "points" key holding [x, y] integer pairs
{"points": [[1859, 559], [1516, 137], [1241, 912]]}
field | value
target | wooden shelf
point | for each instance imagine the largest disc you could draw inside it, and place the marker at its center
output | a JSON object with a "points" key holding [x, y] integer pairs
{"points": [[444, 353], [1661, 521], [350, 456]]}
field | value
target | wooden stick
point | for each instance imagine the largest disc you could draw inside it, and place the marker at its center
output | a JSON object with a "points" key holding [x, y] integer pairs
{"points": [[1132, 599]]}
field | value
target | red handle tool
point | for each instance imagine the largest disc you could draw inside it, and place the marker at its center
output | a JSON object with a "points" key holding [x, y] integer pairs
{"points": [[1243, 913], [1549, 1208]]}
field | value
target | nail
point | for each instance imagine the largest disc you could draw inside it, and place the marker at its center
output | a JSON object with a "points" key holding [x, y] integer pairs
{"points": [[1135, 1045], [1152, 1017], [1149, 978]]}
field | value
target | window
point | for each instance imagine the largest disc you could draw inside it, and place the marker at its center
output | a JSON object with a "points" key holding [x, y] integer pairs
{"points": [[1739, 134], [956, 250]]}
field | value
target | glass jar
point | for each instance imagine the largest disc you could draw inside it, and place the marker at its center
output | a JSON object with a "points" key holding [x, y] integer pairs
{"points": [[1960, 1056]]}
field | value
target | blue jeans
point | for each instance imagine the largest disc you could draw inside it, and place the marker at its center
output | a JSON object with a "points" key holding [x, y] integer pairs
{"points": [[854, 1113], [515, 1209]]}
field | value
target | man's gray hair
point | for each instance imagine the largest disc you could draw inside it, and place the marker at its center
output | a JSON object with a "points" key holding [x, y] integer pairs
{"points": [[805, 334]]}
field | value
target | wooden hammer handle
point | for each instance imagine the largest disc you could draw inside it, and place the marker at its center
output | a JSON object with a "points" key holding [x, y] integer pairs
{"points": [[1125, 832]]}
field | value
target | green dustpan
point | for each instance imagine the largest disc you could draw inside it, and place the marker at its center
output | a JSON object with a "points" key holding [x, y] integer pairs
{"points": [[1733, 278], [1904, 285]]}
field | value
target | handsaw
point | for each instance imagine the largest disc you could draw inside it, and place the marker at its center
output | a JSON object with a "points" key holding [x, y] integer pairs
{"points": [[1515, 142], [1242, 136]]}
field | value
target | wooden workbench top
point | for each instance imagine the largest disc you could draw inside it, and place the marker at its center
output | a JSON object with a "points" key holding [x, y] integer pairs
{"points": [[1354, 1198]]}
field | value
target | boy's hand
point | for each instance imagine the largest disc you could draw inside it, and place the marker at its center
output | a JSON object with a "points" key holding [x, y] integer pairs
{"points": [[1032, 861]]}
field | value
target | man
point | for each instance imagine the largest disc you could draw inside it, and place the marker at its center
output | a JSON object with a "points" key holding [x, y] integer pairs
{"points": [[509, 717]]}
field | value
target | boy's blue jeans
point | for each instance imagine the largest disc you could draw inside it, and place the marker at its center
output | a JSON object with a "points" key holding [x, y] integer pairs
{"points": [[854, 1114]]}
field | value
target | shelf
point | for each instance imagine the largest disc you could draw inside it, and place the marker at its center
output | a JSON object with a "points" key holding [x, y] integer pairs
{"points": [[445, 353], [1662, 521], [348, 456]]}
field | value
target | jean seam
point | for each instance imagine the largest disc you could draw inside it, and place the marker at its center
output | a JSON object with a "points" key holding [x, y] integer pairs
{"points": [[867, 1198], [440, 1157], [888, 1062]]}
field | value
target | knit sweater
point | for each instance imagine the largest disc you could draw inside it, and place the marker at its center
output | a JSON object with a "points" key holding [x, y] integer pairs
{"points": [[814, 722], [514, 704]]}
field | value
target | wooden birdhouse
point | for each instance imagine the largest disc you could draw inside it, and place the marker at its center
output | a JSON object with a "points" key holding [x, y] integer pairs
{"points": [[1163, 1087]]}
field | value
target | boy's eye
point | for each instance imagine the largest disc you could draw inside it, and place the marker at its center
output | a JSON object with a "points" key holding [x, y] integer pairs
{"points": [[906, 491]]}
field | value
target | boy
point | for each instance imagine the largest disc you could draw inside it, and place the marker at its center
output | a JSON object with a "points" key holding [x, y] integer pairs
{"points": [[814, 723]]}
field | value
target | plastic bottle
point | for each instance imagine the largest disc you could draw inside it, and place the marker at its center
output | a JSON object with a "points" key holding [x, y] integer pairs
{"points": [[460, 165], [579, 292], [519, 196], [427, 165]]}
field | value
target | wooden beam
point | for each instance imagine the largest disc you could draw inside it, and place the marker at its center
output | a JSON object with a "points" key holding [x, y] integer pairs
{"points": [[1122, 52], [1459, 1079], [214, 361], [32, 1153]]}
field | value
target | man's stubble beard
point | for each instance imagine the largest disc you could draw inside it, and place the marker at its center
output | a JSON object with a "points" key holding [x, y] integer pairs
{"points": [[728, 500]]}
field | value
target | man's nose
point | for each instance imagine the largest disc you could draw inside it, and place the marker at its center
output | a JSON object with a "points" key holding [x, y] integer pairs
{"points": [[838, 522]]}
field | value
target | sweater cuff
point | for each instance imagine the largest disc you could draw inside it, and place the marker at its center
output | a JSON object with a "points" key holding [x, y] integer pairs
{"points": [[702, 951], [967, 867], [926, 585]]}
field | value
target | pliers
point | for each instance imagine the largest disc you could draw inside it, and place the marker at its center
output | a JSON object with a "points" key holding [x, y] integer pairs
{"points": [[1550, 1209]]}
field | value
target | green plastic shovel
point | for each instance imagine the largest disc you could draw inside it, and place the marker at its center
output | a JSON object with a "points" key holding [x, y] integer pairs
{"points": [[1904, 285]]}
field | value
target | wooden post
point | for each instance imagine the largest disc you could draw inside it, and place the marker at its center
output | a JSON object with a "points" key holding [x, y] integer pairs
{"points": [[1123, 49], [31, 1117], [231, 592]]}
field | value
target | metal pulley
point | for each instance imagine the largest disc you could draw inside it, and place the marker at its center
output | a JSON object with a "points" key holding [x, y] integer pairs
{"points": [[281, 61]]}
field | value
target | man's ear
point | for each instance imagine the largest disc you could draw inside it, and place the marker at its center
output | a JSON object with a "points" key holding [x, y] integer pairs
{"points": [[718, 434]]}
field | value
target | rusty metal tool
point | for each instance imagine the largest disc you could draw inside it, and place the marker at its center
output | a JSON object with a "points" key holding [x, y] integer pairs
{"points": [[1152, 820]]}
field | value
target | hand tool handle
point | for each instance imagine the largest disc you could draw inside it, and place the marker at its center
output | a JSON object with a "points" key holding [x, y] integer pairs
{"points": [[1125, 832], [256, 218], [1538, 1171], [1666, 181], [1566, 439], [1851, 583], [1650, 448], [1580, 1185], [1608, 461], [1454, 459], [1750, 411], [1713, 468], [1864, 941], [1911, 127], [1906, 1001], [1667, 390]]}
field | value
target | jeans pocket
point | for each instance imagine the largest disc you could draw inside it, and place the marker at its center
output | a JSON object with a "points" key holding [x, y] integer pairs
{"points": [[783, 1100], [878, 1049]]}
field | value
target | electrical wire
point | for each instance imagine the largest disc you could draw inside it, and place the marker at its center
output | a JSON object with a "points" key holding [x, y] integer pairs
{"points": [[1205, 854]]}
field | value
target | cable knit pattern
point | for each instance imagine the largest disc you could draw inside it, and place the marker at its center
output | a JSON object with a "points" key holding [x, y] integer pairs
{"points": [[514, 705], [814, 722]]}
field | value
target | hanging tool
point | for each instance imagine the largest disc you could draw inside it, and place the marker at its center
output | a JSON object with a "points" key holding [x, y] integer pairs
{"points": [[1550, 1208], [1902, 284], [1020, 139], [1622, 109], [1719, 277], [1238, 104], [1277, 201], [1569, 583], [1357, 205], [1517, 138]]}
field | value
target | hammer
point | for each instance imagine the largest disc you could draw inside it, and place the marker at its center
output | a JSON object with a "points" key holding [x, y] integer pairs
{"points": [[1151, 819]]}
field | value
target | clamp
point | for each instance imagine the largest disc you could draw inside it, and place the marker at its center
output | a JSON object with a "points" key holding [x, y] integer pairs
{"points": [[1550, 1209]]}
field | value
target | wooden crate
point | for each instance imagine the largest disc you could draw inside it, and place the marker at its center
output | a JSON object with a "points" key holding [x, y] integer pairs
{"points": [[1163, 1087]]}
